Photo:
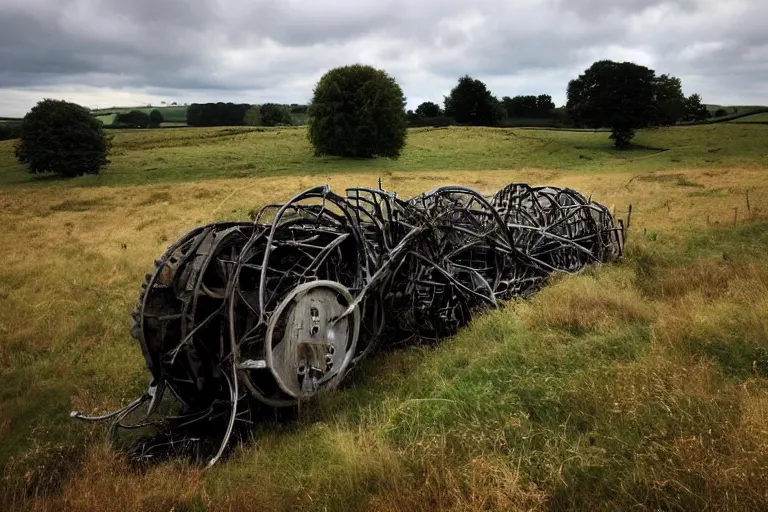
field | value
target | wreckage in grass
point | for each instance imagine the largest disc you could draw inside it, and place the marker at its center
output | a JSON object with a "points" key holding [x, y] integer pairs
{"points": [[239, 318]]}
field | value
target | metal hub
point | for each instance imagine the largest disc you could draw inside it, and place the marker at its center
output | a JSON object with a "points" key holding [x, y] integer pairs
{"points": [[310, 340]]}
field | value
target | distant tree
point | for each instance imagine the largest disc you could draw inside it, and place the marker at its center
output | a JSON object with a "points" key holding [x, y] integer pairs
{"points": [[544, 105], [357, 111], [694, 110], [721, 112], [253, 116], [509, 106], [528, 106], [273, 114], [155, 118], [617, 95], [429, 109], [132, 119], [62, 138], [470, 102], [669, 100], [10, 130], [174, 103], [195, 115], [519, 106]]}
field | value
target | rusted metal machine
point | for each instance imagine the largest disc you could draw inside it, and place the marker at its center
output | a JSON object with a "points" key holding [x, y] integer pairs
{"points": [[239, 318]]}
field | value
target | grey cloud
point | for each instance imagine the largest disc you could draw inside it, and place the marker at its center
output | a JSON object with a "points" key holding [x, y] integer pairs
{"points": [[274, 50]]}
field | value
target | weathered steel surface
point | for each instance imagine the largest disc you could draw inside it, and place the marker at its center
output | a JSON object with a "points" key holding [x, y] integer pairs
{"points": [[241, 315]]}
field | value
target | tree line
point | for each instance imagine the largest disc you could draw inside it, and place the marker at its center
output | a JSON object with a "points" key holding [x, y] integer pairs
{"points": [[138, 119], [471, 103], [243, 114], [216, 114], [622, 96], [359, 111], [10, 129]]}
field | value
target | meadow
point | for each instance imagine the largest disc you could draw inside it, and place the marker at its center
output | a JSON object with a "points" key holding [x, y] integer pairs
{"points": [[754, 118], [640, 385]]}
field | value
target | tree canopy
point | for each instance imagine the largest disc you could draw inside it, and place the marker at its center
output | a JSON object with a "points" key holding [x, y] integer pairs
{"points": [[694, 109], [155, 118], [357, 111], [63, 138], [429, 109], [132, 119], [253, 116], [273, 114], [624, 97], [528, 106], [618, 95], [216, 114], [669, 100], [470, 102]]}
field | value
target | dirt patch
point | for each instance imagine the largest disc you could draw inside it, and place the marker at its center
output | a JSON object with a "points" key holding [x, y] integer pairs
{"points": [[154, 198], [73, 205], [679, 180]]}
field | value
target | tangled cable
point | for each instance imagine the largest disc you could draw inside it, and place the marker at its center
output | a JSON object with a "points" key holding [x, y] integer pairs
{"points": [[239, 318]]}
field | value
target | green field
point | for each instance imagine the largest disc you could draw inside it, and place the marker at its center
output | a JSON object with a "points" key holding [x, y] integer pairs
{"points": [[107, 119], [171, 114], [191, 154], [754, 118], [637, 386], [734, 109]]}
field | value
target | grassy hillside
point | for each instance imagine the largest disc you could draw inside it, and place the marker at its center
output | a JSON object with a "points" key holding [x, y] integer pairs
{"points": [[636, 386], [107, 119], [734, 109], [754, 118], [189, 154]]}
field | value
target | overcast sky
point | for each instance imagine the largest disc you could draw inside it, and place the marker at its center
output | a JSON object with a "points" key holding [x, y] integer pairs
{"points": [[103, 53]]}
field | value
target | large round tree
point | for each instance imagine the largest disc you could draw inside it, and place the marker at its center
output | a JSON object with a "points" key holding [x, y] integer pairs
{"points": [[62, 138], [617, 95], [470, 102], [357, 111]]}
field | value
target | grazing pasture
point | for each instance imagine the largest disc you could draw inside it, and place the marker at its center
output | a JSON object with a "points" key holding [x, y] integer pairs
{"points": [[754, 118], [642, 385]]}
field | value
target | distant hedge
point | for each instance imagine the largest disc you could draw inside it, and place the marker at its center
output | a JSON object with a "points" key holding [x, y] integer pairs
{"points": [[10, 130], [132, 119], [437, 121], [217, 114]]}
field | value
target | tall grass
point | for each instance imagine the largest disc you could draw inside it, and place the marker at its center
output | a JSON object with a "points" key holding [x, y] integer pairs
{"points": [[639, 386]]}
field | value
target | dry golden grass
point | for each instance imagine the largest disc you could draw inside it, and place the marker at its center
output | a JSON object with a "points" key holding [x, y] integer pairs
{"points": [[660, 329], [109, 485], [600, 301]]}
